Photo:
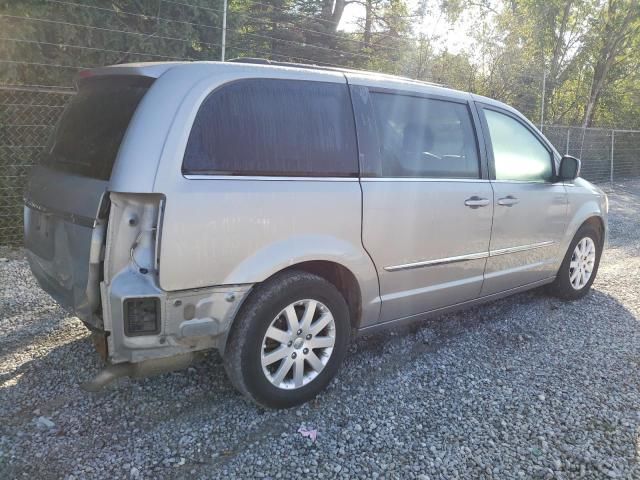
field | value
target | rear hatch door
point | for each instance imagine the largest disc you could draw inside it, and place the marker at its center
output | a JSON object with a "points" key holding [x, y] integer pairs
{"points": [[66, 203]]}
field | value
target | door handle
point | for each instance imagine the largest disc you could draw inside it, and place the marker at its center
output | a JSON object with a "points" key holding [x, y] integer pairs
{"points": [[508, 201], [476, 202]]}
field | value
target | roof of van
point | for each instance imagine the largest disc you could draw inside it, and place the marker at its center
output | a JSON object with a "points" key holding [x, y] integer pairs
{"points": [[156, 69]]}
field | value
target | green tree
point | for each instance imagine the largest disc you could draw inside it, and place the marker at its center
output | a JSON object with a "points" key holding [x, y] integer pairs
{"points": [[610, 41]]}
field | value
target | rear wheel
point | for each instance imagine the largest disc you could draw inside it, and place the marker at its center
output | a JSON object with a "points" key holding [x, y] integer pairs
{"points": [[289, 340], [580, 264]]}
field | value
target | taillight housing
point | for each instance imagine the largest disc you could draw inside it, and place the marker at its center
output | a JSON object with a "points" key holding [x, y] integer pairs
{"points": [[141, 316]]}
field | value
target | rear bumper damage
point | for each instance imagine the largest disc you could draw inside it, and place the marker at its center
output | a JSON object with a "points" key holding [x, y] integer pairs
{"points": [[186, 321], [190, 322], [142, 321], [107, 273]]}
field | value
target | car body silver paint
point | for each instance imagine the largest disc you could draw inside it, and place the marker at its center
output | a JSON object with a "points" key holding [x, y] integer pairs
{"points": [[585, 201], [521, 225], [237, 217], [451, 308], [218, 236], [425, 236]]}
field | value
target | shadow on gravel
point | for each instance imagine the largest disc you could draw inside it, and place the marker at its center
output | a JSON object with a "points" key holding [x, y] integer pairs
{"points": [[50, 320], [500, 322], [157, 411], [501, 380], [505, 326], [440, 330]]}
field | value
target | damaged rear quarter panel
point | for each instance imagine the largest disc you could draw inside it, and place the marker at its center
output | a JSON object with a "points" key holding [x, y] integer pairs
{"points": [[240, 230]]}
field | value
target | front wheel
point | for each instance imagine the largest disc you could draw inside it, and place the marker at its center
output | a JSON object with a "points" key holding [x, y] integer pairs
{"points": [[580, 264], [289, 340]]}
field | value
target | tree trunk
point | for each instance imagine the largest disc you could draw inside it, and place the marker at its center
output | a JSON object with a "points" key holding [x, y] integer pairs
{"points": [[615, 38], [332, 11], [368, 22], [599, 76]]}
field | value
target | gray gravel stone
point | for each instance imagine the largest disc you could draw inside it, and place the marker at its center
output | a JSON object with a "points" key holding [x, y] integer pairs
{"points": [[44, 422], [525, 387]]}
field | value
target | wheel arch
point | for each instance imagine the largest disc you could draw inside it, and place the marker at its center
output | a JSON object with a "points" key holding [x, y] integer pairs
{"points": [[598, 223], [340, 276], [590, 212], [562, 286]]}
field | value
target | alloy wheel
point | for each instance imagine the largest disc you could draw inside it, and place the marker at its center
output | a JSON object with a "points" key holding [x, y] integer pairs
{"points": [[298, 344], [582, 263]]}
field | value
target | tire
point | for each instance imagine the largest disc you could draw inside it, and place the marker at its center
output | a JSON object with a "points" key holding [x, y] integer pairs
{"points": [[269, 307], [564, 286]]}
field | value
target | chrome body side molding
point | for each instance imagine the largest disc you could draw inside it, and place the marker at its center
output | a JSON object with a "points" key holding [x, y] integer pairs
{"points": [[521, 248], [438, 261], [470, 256]]}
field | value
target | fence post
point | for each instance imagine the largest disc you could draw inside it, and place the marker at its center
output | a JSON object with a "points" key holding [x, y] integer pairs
{"points": [[544, 88], [613, 133], [224, 30]]}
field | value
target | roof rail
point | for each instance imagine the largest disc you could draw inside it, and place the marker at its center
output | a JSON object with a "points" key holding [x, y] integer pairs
{"points": [[313, 66]]}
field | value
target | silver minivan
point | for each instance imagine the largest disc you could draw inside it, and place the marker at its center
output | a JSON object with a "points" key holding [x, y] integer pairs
{"points": [[272, 211]]}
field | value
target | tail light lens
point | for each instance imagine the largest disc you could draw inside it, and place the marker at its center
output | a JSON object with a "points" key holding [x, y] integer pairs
{"points": [[141, 316]]}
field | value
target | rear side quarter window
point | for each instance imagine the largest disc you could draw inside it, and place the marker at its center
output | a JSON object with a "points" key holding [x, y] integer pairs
{"points": [[271, 127]]}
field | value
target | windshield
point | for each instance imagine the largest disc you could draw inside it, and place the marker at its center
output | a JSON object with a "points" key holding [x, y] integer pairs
{"points": [[89, 134]]}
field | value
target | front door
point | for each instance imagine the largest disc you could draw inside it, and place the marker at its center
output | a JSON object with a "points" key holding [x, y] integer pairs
{"points": [[426, 207], [530, 210]]}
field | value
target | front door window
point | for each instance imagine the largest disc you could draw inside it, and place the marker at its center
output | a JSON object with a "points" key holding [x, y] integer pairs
{"points": [[518, 154]]}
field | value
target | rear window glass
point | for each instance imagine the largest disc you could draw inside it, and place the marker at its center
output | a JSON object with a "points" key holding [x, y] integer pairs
{"points": [[89, 134], [274, 127]]}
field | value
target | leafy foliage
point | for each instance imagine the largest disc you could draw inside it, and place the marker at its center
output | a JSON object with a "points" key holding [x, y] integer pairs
{"points": [[578, 60], [586, 52]]}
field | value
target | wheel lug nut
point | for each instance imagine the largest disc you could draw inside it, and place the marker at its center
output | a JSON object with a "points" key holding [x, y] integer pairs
{"points": [[299, 332], [294, 355], [308, 337], [305, 351], [290, 343]]}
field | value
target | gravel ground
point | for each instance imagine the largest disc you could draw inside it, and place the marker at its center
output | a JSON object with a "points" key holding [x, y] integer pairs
{"points": [[526, 387]]}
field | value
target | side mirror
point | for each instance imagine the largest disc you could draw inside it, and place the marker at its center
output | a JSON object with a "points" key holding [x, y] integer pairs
{"points": [[569, 168]]}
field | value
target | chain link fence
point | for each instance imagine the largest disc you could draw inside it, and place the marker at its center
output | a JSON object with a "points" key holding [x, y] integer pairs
{"points": [[28, 115], [608, 155], [42, 50]]}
